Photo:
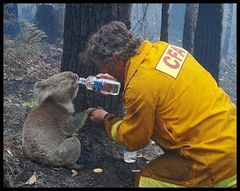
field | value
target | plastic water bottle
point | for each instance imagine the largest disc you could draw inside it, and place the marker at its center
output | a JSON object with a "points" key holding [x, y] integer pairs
{"points": [[129, 156], [100, 84], [157, 150]]}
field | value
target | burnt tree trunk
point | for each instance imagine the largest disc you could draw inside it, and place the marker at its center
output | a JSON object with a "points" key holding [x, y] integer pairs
{"points": [[11, 24], [44, 20], [49, 20], [81, 21], [144, 23], [207, 40], [165, 22], [228, 31], [189, 26], [58, 27]]}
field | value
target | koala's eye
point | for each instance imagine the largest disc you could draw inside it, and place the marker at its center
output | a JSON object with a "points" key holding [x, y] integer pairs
{"points": [[75, 77], [62, 79]]}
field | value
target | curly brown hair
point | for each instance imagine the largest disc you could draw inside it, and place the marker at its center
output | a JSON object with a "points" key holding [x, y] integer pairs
{"points": [[110, 38]]}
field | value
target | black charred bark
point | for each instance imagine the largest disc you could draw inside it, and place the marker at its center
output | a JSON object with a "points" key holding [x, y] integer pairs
{"points": [[165, 22], [49, 20], [207, 40], [189, 26], [228, 31]]}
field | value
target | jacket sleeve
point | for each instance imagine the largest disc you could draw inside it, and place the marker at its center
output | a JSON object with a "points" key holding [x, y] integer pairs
{"points": [[136, 128]]}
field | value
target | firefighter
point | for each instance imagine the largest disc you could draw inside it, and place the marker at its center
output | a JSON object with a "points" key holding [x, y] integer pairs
{"points": [[169, 98]]}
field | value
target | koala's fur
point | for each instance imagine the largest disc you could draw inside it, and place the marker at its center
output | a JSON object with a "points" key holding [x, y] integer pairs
{"points": [[49, 132]]}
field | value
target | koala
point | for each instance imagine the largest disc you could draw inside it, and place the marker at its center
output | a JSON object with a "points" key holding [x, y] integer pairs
{"points": [[50, 130]]}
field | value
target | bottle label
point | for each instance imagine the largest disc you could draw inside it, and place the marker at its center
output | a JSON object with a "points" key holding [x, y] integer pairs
{"points": [[97, 85]]}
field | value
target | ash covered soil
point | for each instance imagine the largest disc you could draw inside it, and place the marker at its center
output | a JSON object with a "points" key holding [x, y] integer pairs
{"points": [[98, 150]]}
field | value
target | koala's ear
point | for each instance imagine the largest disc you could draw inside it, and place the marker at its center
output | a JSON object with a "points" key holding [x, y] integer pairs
{"points": [[41, 90], [40, 84]]}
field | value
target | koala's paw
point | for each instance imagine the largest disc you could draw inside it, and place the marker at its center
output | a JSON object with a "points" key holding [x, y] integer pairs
{"points": [[76, 166]]}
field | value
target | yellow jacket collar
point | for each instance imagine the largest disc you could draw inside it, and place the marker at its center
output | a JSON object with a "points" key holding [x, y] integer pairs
{"points": [[136, 60]]}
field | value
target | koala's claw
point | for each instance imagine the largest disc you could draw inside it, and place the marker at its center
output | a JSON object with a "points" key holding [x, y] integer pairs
{"points": [[76, 166]]}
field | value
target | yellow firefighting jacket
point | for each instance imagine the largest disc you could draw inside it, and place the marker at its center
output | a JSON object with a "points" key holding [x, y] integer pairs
{"points": [[170, 98]]}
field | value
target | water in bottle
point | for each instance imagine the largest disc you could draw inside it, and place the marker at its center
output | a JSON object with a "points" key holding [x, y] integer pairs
{"points": [[100, 84]]}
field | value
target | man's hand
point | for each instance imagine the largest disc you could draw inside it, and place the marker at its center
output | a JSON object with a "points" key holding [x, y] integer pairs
{"points": [[97, 115], [105, 76]]}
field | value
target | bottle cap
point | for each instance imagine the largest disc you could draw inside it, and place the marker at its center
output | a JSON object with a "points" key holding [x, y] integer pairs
{"points": [[82, 80]]}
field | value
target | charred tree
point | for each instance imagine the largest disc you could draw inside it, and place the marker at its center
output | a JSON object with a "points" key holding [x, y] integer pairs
{"points": [[228, 31], [189, 26], [165, 22], [144, 22], [44, 19], [49, 20], [81, 21], [11, 24], [207, 40], [58, 17]]}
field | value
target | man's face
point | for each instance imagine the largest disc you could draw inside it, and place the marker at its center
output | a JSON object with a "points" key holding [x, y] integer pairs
{"points": [[117, 70]]}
